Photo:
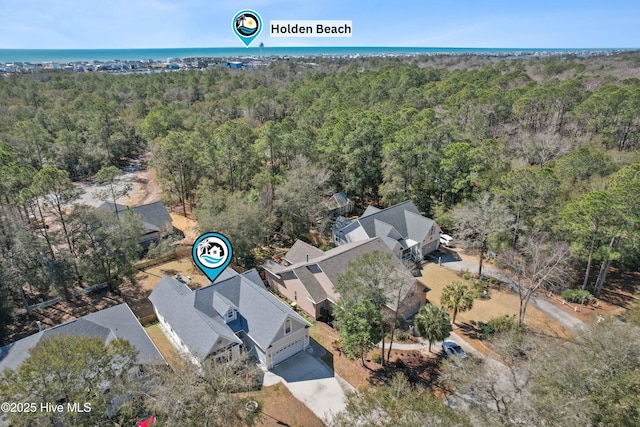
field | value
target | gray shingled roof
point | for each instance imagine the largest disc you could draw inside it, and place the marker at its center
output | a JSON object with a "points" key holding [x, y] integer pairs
{"points": [[335, 262], [311, 284], [370, 210], [155, 216], [263, 313], [301, 251], [339, 201], [394, 216], [197, 316], [175, 303], [114, 322], [403, 219], [221, 304]]}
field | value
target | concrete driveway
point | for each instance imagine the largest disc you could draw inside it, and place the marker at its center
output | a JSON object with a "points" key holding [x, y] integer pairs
{"points": [[311, 382]]}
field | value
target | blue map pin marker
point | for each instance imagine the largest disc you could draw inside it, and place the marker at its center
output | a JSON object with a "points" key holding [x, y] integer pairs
{"points": [[247, 25], [212, 253]]}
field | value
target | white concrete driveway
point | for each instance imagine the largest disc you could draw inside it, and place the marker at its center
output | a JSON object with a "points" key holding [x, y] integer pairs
{"points": [[312, 383]]}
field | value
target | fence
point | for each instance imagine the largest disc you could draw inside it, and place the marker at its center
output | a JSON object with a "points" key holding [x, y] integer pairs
{"points": [[178, 253], [54, 301], [592, 304], [147, 320]]}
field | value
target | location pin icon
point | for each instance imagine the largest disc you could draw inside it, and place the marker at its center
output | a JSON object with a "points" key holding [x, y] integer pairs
{"points": [[212, 253], [247, 25]]}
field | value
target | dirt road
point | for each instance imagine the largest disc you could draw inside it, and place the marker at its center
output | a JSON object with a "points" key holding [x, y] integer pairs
{"points": [[145, 186]]}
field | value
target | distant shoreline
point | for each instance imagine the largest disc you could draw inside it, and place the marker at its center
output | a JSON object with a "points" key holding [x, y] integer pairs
{"points": [[38, 56]]}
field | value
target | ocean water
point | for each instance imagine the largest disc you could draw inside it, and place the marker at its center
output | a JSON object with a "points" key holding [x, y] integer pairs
{"points": [[70, 55]]}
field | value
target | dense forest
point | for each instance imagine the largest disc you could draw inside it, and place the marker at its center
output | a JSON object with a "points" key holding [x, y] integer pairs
{"points": [[554, 142]]}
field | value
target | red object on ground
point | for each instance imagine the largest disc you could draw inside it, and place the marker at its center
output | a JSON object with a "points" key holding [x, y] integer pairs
{"points": [[148, 422]]}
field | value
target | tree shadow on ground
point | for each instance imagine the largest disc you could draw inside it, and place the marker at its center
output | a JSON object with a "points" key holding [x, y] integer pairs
{"points": [[417, 367], [621, 288], [471, 329]]}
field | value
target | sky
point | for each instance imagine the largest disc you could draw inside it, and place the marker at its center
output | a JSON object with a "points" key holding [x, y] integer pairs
{"points": [[127, 24]]}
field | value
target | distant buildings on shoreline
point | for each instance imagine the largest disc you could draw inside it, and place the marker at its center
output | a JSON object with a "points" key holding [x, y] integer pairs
{"points": [[117, 66]]}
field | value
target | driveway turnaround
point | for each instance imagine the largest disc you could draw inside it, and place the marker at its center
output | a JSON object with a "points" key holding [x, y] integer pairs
{"points": [[312, 383]]}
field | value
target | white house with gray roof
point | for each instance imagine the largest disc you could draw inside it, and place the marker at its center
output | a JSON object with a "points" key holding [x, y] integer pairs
{"points": [[234, 312], [401, 227]]}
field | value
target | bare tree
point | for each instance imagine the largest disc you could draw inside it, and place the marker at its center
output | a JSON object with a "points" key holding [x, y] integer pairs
{"points": [[589, 380], [537, 264], [114, 189], [299, 199], [497, 393], [209, 395], [405, 288], [480, 221], [379, 278], [401, 404], [541, 148]]}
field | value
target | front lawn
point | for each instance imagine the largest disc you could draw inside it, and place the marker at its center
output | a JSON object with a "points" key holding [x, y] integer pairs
{"points": [[279, 407]]}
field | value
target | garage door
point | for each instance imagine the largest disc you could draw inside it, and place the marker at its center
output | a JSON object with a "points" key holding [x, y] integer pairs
{"points": [[287, 351]]}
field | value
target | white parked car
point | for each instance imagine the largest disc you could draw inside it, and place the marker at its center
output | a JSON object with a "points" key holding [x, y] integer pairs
{"points": [[446, 240]]}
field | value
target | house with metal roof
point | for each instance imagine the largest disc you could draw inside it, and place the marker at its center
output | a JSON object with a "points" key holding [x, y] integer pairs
{"points": [[307, 276], [233, 313], [401, 227], [108, 324]]}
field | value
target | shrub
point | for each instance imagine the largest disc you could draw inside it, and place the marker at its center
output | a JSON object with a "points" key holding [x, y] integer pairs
{"points": [[402, 334], [480, 289], [493, 281], [577, 296], [466, 276], [500, 324], [376, 357]]}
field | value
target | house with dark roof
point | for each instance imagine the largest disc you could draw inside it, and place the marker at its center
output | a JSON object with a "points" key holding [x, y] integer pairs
{"points": [[108, 324], [233, 313], [401, 227], [307, 276], [155, 219]]}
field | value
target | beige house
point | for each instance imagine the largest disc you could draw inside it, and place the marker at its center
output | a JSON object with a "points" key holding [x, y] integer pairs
{"points": [[307, 276]]}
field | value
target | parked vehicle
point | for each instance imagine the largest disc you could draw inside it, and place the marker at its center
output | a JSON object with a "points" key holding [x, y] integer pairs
{"points": [[451, 348], [446, 240]]}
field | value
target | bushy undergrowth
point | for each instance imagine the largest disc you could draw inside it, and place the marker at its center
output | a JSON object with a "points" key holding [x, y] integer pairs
{"points": [[500, 324], [578, 296]]}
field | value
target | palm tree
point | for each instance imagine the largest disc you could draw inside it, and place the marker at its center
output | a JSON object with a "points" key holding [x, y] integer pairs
{"points": [[433, 323], [457, 298]]}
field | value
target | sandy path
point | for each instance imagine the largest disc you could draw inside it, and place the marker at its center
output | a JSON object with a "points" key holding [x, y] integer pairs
{"points": [[146, 189]]}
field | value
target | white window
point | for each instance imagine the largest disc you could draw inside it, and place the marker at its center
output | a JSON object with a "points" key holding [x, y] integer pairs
{"points": [[295, 295], [287, 326], [231, 314]]}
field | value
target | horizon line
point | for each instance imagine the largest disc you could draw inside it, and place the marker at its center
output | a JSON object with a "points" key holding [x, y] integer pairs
{"points": [[329, 47]]}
